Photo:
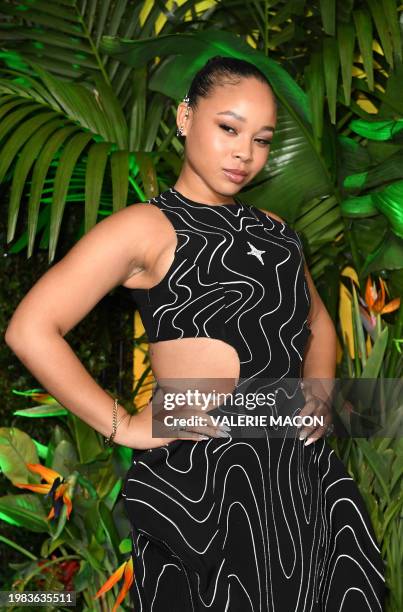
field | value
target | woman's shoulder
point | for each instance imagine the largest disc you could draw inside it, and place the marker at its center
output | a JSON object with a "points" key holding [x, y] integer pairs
{"points": [[270, 214], [275, 217]]}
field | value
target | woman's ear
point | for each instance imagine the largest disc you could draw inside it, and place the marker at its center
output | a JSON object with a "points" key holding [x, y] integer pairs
{"points": [[181, 119]]}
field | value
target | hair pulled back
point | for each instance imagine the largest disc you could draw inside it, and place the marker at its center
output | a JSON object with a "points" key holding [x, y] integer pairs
{"points": [[219, 70]]}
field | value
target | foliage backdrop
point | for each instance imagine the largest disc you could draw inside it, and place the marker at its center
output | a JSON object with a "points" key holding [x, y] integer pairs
{"points": [[88, 96]]}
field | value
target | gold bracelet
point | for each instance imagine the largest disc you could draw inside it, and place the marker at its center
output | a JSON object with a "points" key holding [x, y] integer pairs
{"points": [[109, 440], [115, 423]]}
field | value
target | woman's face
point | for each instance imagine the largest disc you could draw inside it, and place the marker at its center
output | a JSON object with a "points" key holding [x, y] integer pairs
{"points": [[230, 130]]}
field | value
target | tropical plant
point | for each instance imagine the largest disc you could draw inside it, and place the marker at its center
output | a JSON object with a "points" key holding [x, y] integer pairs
{"points": [[65, 40], [374, 461], [87, 117], [374, 205], [83, 480]]}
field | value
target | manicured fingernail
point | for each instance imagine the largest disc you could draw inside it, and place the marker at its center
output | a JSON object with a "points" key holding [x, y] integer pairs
{"points": [[223, 434], [226, 427], [203, 438], [303, 435], [309, 441]]}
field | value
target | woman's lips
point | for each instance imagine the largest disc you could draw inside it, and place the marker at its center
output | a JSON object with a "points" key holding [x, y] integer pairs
{"points": [[234, 177]]}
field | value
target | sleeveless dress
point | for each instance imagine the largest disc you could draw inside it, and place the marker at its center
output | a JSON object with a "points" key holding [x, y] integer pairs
{"points": [[259, 524]]}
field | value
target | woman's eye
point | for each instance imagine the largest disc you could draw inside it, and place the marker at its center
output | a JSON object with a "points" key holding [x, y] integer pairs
{"points": [[226, 127], [265, 143]]}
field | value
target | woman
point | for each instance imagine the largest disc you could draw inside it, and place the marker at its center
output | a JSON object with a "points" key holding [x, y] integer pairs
{"points": [[252, 518]]}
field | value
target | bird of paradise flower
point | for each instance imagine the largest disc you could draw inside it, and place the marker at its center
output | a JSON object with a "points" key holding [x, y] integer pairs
{"points": [[374, 304], [126, 570], [56, 488]]}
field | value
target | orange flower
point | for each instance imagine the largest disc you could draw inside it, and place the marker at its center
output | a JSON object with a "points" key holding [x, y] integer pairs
{"points": [[56, 488], [374, 304], [376, 301], [127, 569]]}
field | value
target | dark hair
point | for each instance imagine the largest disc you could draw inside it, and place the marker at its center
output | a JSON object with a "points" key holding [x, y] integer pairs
{"points": [[218, 70]]}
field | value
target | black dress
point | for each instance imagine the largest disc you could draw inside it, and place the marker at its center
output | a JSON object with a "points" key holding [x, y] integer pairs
{"points": [[244, 523]]}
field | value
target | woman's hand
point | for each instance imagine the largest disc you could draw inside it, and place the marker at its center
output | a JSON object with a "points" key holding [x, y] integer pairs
{"points": [[136, 431], [315, 406]]}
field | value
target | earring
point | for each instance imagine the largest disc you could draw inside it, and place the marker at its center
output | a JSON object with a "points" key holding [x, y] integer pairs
{"points": [[179, 131]]}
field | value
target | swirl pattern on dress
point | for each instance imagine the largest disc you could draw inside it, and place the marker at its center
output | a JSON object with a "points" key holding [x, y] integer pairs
{"points": [[259, 524]]}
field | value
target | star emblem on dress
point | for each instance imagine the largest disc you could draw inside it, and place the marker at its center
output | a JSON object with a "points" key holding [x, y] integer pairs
{"points": [[256, 252]]}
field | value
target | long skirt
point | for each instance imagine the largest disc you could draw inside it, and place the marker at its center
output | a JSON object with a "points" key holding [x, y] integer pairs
{"points": [[259, 525]]}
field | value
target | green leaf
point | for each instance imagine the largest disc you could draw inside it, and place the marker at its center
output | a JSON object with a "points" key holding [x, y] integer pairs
{"points": [[38, 178], [67, 161], [108, 525], [148, 174], [391, 169], [41, 411], [16, 546], [353, 157], [64, 457], [389, 9], [376, 357], [392, 511], [120, 178], [346, 40], [16, 450], [46, 19], [331, 63], [79, 104], [86, 439], [24, 163], [389, 202], [361, 206], [397, 467], [112, 113], [12, 120], [138, 110], [328, 14], [19, 137], [360, 349], [316, 94], [94, 176], [387, 256], [24, 510], [365, 35], [377, 130], [381, 23], [376, 463], [125, 546]]}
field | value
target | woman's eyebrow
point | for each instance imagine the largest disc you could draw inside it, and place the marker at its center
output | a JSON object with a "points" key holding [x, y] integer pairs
{"points": [[240, 118]]}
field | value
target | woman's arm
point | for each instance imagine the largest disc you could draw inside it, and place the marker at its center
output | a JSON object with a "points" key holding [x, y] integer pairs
{"points": [[108, 255], [102, 259], [320, 354]]}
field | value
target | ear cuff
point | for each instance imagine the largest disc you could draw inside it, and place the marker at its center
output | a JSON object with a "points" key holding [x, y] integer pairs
{"points": [[179, 131]]}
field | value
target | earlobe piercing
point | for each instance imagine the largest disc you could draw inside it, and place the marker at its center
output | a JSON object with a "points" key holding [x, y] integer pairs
{"points": [[179, 131]]}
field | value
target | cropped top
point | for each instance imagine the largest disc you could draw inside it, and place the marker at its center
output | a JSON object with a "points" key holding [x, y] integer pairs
{"points": [[237, 276]]}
